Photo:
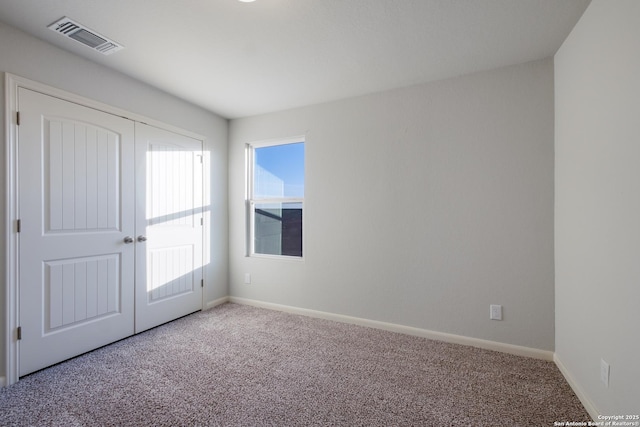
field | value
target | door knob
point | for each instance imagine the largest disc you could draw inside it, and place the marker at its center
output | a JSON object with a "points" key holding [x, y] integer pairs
{"points": [[142, 238], [128, 240]]}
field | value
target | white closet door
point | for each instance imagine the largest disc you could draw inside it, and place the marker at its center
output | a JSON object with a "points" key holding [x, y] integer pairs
{"points": [[76, 206], [169, 230]]}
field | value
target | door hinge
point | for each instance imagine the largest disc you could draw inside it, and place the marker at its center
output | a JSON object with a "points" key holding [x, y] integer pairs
{"points": [[19, 332], [202, 283], [201, 221], [18, 118], [18, 225]]}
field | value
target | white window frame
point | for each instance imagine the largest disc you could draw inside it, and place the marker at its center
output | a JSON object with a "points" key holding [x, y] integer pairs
{"points": [[251, 201]]}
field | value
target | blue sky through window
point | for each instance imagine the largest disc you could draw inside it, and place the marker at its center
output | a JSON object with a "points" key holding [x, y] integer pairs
{"points": [[286, 162]]}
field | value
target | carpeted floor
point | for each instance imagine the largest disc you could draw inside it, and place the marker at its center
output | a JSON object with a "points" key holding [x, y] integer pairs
{"points": [[243, 366]]}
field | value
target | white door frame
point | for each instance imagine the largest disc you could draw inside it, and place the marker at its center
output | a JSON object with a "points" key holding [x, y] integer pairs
{"points": [[12, 83]]}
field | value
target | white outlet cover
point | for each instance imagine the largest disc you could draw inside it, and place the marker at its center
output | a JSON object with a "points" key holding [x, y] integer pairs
{"points": [[247, 278], [495, 312]]}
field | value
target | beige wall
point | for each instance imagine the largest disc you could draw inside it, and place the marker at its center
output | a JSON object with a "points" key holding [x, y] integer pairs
{"points": [[423, 206], [31, 58], [597, 213]]}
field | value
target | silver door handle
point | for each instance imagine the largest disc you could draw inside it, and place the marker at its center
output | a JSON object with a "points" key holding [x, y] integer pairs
{"points": [[142, 238], [128, 240]]}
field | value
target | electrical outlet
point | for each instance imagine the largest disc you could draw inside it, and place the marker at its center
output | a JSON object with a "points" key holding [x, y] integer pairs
{"points": [[604, 372], [247, 278], [495, 312]]}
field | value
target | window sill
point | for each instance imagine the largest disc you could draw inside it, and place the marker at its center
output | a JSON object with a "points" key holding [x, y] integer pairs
{"points": [[277, 257]]}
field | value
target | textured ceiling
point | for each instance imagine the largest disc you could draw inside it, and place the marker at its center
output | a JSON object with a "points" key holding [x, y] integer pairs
{"points": [[241, 59]]}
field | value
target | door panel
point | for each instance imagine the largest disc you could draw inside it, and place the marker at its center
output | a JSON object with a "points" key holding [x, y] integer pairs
{"points": [[170, 272], [81, 171], [76, 205], [169, 214], [80, 290]]}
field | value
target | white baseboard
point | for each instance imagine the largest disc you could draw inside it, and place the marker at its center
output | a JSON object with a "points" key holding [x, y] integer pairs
{"points": [[582, 396], [408, 330], [215, 302]]}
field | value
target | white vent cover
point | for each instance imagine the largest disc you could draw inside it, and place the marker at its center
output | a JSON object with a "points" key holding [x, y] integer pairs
{"points": [[78, 32]]}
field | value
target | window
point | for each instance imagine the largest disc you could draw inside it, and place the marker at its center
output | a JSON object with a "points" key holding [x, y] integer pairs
{"points": [[275, 197]]}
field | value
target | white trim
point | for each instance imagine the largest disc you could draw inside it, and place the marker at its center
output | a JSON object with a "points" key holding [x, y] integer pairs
{"points": [[272, 201], [277, 141], [408, 330], [582, 396], [216, 302], [11, 367], [250, 201], [2, 382], [12, 83], [288, 258]]}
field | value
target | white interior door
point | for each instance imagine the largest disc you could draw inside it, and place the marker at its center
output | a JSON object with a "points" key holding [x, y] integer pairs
{"points": [[76, 206], [169, 229]]}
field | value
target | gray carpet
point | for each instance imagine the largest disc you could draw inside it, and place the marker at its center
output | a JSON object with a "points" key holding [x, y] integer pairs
{"points": [[242, 366]]}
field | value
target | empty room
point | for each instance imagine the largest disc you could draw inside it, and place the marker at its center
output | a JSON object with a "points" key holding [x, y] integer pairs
{"points": [[320, 212]]}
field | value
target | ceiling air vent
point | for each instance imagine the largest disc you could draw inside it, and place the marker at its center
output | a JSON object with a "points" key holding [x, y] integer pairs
{"points": [[69, 28]]}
